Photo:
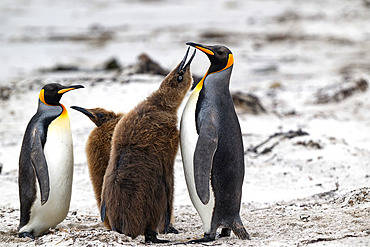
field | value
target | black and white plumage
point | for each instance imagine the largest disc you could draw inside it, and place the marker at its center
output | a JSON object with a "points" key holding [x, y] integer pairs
{"points": [[46, 165], [212, 148]]}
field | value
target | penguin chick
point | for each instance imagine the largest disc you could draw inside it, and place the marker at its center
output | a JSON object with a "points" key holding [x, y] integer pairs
{"points": [[46, 165], [212, 148], [138, 185], [98, 146]]}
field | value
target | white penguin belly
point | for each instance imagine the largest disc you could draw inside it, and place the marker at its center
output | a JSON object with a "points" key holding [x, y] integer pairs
{"points": [[189, 138], [58, 152]]}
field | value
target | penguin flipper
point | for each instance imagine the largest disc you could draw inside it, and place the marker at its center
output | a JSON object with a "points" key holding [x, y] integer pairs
{"points": [[39, 163], [203, 159]]}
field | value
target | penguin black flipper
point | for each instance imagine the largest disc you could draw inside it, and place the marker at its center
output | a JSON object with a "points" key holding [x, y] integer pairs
{"points": [[40, 166], [203, 159]]}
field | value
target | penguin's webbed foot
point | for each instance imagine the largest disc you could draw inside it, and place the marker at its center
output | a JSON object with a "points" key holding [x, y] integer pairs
{"points": [[171, 229], [206, 238], [26, 234], [151, 237], [225, 232]]}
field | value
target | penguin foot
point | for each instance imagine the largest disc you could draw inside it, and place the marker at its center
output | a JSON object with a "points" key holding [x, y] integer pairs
{"points": [[151, 237], [225, 232], [240, 231], [26, 234], [206, 238], [171, 229]]}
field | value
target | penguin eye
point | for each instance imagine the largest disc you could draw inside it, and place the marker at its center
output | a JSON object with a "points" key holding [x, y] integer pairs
{"points": [[180, 77], [99, 115], [220, 53]]}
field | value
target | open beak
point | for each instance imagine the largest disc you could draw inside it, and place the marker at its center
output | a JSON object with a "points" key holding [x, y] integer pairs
{"points": [[181, 66], [83, 110], [206, 49], [66, 89]]}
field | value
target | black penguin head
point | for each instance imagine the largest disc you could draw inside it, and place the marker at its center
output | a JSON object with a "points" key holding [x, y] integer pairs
{"points": [[220, 56], [51, 93], [97, 115]]}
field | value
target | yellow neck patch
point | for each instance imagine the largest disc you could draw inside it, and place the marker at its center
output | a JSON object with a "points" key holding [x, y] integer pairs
{"points": [[200, 83], [230, 63], [60, 124], [64, 112]]}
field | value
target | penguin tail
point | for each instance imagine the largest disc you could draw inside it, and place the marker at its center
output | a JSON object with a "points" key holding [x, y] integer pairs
{"points": [[239, 230]]}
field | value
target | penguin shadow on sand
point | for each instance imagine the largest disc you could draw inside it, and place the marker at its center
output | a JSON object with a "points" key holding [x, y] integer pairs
{"points": [[46, 165], [212, 148], [138, 186], [98, 148]]}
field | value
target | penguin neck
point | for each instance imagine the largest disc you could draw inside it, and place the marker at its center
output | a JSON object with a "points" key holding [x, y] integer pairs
{"points": [[217, 82], [166, 100], [52, 111]]}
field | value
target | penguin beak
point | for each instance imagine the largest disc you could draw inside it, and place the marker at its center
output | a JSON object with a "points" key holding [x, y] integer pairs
{"points": [[66, 89], [84, 111], [206, 49], [181, 66]]}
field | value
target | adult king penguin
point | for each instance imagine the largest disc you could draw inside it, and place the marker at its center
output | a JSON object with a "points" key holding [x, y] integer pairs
{"points": [[46, 164], [212, 148]]}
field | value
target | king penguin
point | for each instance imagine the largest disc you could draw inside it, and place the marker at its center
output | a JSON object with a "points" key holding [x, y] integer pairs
{"points": [[212, 148], [46, 165]]}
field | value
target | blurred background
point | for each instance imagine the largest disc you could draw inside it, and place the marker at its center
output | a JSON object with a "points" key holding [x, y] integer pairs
{"points": [[273, 40]]}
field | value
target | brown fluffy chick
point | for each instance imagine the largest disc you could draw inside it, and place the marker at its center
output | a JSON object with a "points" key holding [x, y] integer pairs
{"points": [[98, 146], [138, 185]]}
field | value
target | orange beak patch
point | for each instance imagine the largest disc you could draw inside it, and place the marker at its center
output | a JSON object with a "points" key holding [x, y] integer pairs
{"points": [[65, 90], [205, 50]]}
